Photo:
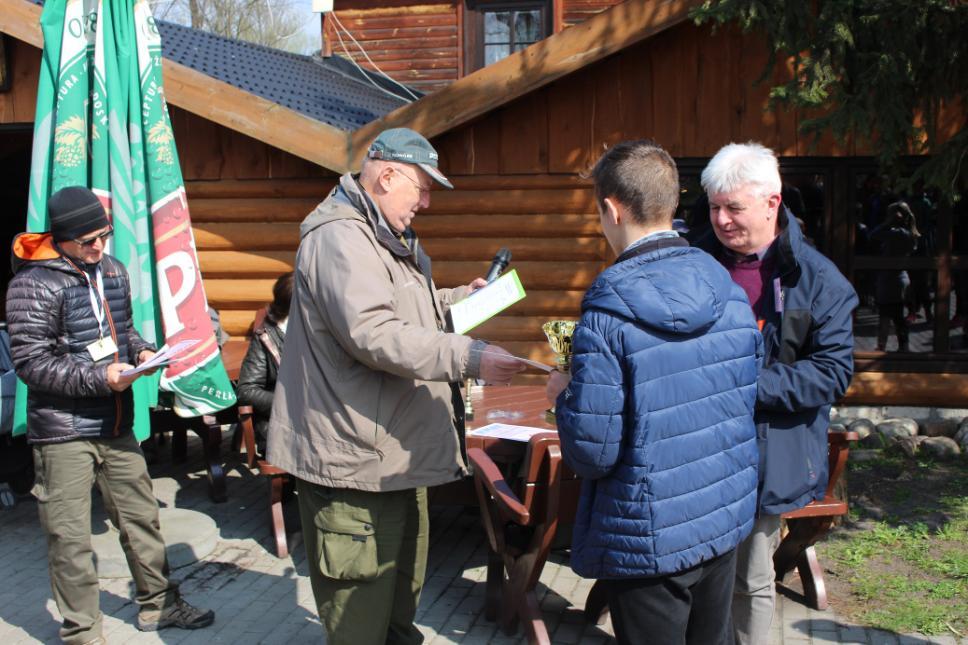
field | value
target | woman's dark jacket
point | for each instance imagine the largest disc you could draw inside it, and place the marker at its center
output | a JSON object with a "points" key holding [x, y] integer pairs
{"points": [[257, 377], [809, 345], [51, 324]]}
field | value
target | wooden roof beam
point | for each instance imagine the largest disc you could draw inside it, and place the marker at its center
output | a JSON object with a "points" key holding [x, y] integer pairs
{"points": [[216, 101], [524, 71], [21, 20]]}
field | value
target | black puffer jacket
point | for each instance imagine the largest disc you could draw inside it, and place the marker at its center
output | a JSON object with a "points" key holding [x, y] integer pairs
{"points": [[51, 324], [257, 377]]}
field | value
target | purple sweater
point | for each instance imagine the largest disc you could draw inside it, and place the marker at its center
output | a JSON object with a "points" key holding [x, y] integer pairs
{"points": [[754, 277]]}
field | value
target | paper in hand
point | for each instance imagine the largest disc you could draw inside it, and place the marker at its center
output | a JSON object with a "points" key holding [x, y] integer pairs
{"points": [[486, 302], [163, 356], [528, 361]]}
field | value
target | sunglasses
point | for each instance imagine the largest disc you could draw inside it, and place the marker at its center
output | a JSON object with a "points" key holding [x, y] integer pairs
{"points": [[89, 242]]}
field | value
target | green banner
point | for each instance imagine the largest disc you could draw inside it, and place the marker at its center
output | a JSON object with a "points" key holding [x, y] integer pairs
{"points": [[102, 122]]}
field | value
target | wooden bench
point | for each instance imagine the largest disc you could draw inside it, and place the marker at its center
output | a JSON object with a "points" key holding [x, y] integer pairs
{"points": [[811, 523], [208, 427]]}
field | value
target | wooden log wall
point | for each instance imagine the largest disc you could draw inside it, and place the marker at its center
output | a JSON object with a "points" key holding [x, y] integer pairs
{"points": [[417, 45], [17, 104], [246, 201], [576, 11], [247, 233]]}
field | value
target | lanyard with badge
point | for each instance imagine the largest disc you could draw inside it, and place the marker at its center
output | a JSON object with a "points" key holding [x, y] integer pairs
{"points": [[102, 347]]}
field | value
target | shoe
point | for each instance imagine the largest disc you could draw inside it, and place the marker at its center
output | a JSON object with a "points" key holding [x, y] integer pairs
{"points": [[180, 615]]}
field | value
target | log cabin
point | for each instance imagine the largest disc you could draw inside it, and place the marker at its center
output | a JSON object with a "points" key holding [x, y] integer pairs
{"points": [[516, 137]]}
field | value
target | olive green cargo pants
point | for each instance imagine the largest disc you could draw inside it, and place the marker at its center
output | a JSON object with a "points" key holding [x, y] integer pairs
{"points": [[65, 473], [367, 556]]}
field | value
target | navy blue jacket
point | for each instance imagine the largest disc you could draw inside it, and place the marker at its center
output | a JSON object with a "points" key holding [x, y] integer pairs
{"points": [[808, 364], [658, 417]]}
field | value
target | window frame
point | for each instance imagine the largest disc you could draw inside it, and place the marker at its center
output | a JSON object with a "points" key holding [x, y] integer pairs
{"points": [[473, 25]]}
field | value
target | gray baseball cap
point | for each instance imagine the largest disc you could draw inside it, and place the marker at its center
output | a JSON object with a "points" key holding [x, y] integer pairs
{"points": [[408, 146]]}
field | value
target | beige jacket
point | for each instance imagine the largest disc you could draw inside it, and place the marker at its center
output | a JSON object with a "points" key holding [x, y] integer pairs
{"points": [[363, 398]]}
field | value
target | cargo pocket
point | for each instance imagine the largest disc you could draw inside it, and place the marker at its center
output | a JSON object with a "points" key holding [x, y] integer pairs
{"points": [[347, 544], [40, 490]]}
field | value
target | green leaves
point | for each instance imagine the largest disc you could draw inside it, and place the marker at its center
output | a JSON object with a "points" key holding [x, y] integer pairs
{"points": [[882, 71]]}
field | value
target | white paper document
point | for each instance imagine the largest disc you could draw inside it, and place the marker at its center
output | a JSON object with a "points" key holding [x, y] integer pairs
{"points": [[505, 431], [486, 302], [528, 361], [163, 356]]}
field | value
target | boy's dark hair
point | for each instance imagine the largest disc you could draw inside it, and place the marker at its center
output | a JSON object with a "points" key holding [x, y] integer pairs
{"points": [[281, 298], [642, 177]]}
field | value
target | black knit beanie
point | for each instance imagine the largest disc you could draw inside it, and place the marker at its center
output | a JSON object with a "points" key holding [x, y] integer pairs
{"points": [[74, 212]]}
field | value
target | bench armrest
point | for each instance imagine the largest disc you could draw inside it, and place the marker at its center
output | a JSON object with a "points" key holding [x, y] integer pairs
{"points": [[487, 473]]}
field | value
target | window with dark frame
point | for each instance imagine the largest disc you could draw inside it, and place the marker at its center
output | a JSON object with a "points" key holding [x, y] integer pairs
{"points": [[495, 30]]}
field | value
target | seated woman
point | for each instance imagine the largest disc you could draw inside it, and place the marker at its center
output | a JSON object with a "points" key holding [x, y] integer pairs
{"points": [[257, 376]]}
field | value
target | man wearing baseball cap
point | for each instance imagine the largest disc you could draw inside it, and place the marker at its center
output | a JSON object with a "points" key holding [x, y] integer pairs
{"points": [[364, 415], [71, 339]]}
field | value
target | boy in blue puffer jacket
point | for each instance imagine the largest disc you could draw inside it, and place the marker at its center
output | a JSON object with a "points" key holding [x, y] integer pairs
{"points": [[658, 415]]}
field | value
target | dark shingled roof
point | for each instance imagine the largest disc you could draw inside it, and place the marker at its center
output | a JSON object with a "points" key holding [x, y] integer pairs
{"points": [[330, 90]]}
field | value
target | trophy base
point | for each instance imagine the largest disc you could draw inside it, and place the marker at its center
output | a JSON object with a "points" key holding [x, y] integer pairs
{"points": [[550, 417]]}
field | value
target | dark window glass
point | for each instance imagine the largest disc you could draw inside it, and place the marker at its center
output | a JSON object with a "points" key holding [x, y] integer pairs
{"points": [[496, 30], [500, 39]]}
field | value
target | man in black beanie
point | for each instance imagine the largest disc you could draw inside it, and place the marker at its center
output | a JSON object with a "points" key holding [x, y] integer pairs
{"points": [[72, 338]]}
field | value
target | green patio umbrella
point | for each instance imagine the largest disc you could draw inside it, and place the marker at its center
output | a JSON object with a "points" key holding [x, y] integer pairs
{"points": [[102, 122]]}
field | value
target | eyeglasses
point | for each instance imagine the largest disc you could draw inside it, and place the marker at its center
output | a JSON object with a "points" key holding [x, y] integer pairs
{"points": [[413, 181], [89, 242]]}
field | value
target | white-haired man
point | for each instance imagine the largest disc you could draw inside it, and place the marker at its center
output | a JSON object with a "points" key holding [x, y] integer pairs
{"points": [[804, 306], [363, 415]]}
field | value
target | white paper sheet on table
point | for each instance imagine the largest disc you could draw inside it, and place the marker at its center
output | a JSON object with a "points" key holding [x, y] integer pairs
{"points": [[163, 356], [505, 431]]}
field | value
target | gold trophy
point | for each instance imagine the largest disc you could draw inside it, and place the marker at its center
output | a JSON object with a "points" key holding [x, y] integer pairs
{"points": [[559, 333]]}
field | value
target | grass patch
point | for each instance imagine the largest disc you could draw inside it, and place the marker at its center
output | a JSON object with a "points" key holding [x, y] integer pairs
{"points": [[900, 561]]}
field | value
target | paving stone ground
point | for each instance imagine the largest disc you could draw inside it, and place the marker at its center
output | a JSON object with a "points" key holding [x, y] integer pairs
{"points": [[259, 598]]}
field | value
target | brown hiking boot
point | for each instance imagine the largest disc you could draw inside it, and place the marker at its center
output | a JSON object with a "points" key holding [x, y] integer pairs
{"points": [[179, 614]]}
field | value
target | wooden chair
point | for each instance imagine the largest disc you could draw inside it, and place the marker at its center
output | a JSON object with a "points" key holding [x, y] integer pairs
{"points": [[278, 478], [811, 523], [520, 518]]}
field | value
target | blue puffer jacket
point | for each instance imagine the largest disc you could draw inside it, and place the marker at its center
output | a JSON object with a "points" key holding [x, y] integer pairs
{"points": [[658, 417], [808, 364]]}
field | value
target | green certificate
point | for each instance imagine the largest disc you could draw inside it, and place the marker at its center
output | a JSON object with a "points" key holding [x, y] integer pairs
{"points": [[486, 302]]}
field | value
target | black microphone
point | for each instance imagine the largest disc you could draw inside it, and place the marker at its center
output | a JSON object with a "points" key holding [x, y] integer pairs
{"points": [[498, 264]]}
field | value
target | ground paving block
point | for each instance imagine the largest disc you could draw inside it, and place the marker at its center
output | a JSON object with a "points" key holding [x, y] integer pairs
{"points": [[820, 636], [852, 634], [879, 637]]}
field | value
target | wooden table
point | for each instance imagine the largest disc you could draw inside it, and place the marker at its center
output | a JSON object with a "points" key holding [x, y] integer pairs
{"points": [[524, 492]]}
